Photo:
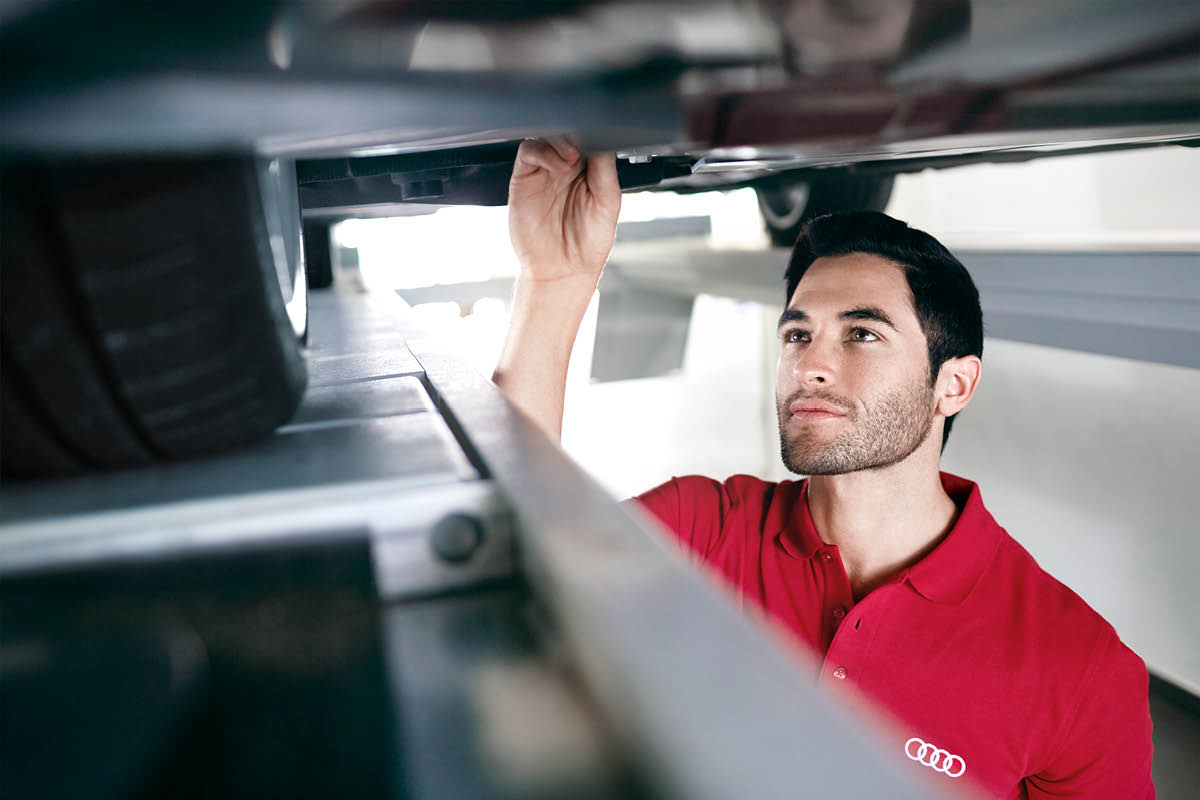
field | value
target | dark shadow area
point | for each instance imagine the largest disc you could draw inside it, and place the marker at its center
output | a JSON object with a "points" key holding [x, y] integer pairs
{"points": [[1176, 714], [242, 674]]}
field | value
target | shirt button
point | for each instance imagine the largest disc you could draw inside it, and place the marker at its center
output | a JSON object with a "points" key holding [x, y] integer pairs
{"points": [[839, 612], [840, 673], [825, 556]]}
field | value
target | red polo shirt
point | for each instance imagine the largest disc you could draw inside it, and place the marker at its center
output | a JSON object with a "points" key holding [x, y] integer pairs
{"points": [[995, 672]]}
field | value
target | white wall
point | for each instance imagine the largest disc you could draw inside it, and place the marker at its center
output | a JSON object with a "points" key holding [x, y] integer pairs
{"points": [[1090, 462], [707, 419], [1131, 197]]}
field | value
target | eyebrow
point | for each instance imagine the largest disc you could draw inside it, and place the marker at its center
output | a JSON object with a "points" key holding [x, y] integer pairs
{"points": [[869, 313], [791, 315], [861, 312]]}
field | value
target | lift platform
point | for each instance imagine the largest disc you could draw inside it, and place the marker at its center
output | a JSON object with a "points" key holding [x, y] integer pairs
{"points": [[407, 592]]}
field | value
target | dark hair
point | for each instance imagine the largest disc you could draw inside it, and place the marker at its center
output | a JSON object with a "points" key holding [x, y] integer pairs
{"points": [[944, 296]]}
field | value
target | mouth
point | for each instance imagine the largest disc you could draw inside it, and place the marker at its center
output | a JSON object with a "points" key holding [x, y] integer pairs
{"points": [[814, 417], [814, 410]]}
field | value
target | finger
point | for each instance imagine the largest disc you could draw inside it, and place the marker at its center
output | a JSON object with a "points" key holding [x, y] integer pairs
{"points": [[567, 150], [602, 177], [532, 155]]}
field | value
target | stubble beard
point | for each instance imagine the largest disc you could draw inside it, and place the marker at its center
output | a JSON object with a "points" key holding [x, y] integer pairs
{"points": [[887, 433]]}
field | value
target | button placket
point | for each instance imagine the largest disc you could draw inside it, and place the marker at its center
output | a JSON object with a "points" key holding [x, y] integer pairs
{"points": [[838, 596], [851, 640]]}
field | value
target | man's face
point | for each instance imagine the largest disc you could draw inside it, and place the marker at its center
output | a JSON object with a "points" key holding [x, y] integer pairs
{"points": [[853, 388]]}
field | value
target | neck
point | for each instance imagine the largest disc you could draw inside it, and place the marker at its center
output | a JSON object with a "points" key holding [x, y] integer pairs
{"points": [[882, 521]]}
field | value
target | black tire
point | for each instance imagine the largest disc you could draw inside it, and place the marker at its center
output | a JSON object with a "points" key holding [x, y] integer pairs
{"points": [[787, 204], [142, 312], [318, 254]]}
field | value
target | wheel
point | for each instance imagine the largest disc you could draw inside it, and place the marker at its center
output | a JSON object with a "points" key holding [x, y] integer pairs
{"points": [[151, 309], [281, 213], [318, 254], [788, 203]]}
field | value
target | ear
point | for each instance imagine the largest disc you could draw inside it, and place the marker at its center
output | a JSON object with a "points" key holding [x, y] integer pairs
{"points": [[957, 380]]}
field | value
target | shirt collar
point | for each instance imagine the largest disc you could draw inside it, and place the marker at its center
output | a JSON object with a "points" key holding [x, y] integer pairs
{"points": [[951, 570], [946, 575], [790, 516]]}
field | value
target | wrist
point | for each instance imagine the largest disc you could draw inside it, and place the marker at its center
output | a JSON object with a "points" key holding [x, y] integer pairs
{"points": [[567, 281], [565, 294], [551, 309]]}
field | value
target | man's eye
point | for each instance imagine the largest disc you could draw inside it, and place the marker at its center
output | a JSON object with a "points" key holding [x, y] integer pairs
{"points": [[794, 336], [863, 335]]}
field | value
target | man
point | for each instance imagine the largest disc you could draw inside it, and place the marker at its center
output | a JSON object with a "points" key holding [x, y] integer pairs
{"points": [[892, 572]]}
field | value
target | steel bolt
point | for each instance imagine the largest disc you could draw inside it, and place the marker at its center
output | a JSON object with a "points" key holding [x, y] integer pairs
{"points": [[456, 537]]}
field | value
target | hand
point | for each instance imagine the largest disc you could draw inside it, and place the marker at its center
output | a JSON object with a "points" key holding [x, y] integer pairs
{"points": [[562, 210]]}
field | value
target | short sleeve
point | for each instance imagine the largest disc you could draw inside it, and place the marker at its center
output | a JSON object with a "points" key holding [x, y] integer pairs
{"points": [[1106, 749], [692, 507]]}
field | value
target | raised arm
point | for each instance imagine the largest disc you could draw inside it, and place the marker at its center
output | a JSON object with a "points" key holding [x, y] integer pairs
{"points": [[562, 217]]}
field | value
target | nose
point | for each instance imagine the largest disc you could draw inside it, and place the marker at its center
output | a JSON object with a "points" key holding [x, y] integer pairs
{"points": [[817, 365], [815, 376]]}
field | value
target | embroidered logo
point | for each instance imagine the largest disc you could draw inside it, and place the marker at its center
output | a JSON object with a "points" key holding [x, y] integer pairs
{"points": [[935, 758]]}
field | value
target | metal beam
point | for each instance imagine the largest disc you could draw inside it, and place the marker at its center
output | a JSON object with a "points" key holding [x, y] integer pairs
{"points": [[293, 115], [640, 332], [466, 294], [1140, 304]]}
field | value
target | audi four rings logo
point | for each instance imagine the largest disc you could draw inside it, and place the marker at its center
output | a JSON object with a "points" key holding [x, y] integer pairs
{"points": [[935, 757]]}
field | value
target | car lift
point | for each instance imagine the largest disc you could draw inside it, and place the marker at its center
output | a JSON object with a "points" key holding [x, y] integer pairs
{"points": [[409, 591]]}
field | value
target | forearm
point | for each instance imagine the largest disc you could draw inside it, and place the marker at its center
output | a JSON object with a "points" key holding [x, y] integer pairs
{"points": [[532, 370]]}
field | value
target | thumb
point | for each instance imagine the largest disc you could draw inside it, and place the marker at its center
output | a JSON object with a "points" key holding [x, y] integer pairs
{"points": [[602, 178]]}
